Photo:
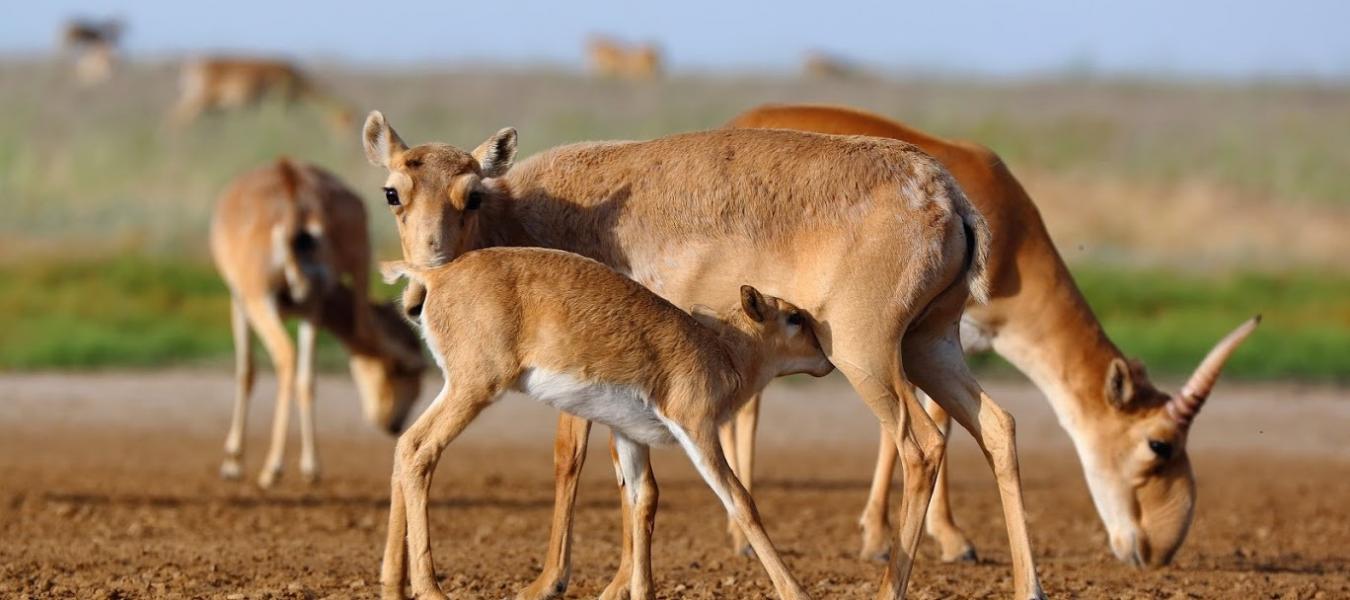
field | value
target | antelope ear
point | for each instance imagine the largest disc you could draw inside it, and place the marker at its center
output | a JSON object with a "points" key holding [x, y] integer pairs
{"points": [[497, 153], [380, 140], [393, 270], [1119, 385], [752, 302]]}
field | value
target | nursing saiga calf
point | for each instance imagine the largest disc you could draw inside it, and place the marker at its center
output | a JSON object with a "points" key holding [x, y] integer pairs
{"points": [[611, 58], [870, 236], [231, 84], [290, 241], [574, 334], [1130, 436]]}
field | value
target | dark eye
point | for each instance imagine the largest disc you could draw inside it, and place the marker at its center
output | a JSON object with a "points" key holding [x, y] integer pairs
{"points": [[391, 196], [474, 200], [796, 318], [1162, 449]]}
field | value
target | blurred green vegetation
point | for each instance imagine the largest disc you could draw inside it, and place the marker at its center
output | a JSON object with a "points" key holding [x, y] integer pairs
{"points": [[152, 312]]}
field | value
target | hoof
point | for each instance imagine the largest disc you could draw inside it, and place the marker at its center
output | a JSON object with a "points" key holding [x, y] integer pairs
{"points": [[615, 592], [310, 477], [878, 556], [746, 551], [230, 470], [543, 589], [268, 478], [968, 557]]}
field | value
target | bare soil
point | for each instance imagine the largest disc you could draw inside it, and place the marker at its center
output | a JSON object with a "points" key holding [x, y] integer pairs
{"points": [[108, 489]]}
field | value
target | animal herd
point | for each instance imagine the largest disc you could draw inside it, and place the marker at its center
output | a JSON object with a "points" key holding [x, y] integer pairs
{"points": [[657, 287]]}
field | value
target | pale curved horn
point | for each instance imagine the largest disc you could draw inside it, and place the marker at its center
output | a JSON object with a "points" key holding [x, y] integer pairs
{"points": [[1184, 406]]}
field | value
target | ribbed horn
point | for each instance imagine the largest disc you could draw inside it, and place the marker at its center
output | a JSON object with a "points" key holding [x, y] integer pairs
{"points": [[1184, 406]]}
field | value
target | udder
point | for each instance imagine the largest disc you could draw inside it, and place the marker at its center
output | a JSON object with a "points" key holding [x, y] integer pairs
{"points": [[624, 408]]}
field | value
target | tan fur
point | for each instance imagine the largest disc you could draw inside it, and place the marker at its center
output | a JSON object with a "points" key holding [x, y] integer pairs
{"points": [[823, 66], [607, 57], [494, 317], [232, 84], [869, 235], [290, 240], [1039, 321]]}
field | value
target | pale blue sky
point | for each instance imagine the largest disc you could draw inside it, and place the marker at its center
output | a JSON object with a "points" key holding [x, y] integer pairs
{"points": [[1235, 39]]}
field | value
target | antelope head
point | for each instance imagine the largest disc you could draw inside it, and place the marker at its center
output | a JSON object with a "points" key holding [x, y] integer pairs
{"points": [[435, 191], [1137, 468]]}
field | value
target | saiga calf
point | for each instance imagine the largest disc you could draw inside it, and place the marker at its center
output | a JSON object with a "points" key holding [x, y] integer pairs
{"points": [[578, 336]]}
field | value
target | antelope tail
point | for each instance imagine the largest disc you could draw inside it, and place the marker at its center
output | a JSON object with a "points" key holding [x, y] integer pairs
{"points": [[295, 241], [978, 242]]}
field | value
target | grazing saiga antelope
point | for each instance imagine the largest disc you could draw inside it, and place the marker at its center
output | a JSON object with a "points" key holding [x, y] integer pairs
{"points": [[1130, 436], [574, 334], [611, 58], [870, 236], [823, 66], [290, 240], [94, 47], [228, 84]]}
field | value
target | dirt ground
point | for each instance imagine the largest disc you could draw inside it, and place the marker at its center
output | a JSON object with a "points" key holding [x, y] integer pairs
{"points": [[108, 489]]}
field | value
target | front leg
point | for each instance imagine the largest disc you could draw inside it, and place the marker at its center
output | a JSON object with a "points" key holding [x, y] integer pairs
{"points": [[640, 485], [738, 441], [569, 456]]}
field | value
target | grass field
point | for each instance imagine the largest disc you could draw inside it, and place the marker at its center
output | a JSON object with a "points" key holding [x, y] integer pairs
{"points": [[1182, 208], [152, 312]]}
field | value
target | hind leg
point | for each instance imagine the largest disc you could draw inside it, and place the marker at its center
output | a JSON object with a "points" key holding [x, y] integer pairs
{"points": [[940, 524], [244, 376], [875, 520], [700, 442], [640, 485], [620, 585], [939, 368], [267, 322], [309, 455]]}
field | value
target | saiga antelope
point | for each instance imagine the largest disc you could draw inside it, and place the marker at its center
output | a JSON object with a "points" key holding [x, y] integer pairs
{"points": [[611, 58], [572, 333], [94, 47], [228, 84], [290, 241], [1130, 436], [870, 236]]}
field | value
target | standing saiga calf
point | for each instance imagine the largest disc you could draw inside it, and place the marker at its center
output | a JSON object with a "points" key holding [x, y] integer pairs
{"points": [[290, 240], [870, 236], [1130, 436], [574, 334], [229, 84]]}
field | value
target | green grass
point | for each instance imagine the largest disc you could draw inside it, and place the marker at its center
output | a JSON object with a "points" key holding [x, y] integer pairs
{"points": [[135, 311]]}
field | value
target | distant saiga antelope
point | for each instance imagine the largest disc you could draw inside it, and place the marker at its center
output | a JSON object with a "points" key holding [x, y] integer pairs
{"points": [[611, 58], [93, 44], [574, 334], [871, 237], [290, 240], [231, 84]]}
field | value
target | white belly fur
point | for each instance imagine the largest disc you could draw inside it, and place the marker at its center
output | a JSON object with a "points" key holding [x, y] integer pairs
{"points": [[622, 407]]}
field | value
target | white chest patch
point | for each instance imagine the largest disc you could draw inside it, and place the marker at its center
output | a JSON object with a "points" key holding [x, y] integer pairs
{"points": [[622, 407]]}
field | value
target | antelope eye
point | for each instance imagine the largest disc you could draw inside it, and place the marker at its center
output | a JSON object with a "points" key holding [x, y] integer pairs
{"points": [[474, 200], [391, 196], [1162, 449], [796, 318]]}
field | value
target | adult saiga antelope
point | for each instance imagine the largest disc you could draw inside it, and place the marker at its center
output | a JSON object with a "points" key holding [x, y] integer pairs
{"points": [[870, 236], [93, 45], [290, 241], [611, 58], [1130, 436], [231, 83], [578, 336]]}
